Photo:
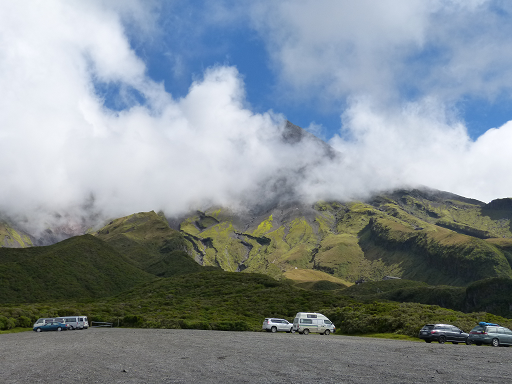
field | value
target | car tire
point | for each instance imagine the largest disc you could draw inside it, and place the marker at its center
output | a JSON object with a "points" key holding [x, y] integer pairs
{"points": [[495, 343], [59, 329], [327, 332], [291, 330], [273, 329], [442, 339], [305, 332], [38, 330], [468, 342]]}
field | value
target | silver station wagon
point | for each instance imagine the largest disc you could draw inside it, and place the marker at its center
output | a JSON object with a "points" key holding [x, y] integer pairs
{"points": [[491, 334]]}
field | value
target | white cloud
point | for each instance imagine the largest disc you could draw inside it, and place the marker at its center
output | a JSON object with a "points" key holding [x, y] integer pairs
{"points": [[389, 48], [59, 144]]}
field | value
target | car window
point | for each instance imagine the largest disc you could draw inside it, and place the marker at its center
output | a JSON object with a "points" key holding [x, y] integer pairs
{"points": [[306, 321], [492, 329], [311, 316], [327, 322]]}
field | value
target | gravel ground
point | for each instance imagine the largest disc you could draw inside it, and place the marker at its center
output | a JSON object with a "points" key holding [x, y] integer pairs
{"points": [[192, 356]]}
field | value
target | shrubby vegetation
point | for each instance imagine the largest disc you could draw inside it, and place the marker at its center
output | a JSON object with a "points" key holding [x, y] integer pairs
{"points": [[402, 318], [219, 300]]}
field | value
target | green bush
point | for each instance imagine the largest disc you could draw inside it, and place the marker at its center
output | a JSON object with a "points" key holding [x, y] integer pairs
{"points": [[24, 322], [7, 323]]}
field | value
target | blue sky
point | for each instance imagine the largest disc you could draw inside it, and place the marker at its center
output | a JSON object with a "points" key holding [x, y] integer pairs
{"points": [[174, 105], [232, 35]]}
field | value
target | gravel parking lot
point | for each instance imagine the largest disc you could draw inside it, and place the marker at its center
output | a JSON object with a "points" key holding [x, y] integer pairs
{"points": [[193, 356]]}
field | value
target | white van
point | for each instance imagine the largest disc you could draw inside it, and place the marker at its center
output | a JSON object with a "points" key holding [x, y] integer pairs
{"points": [[75, 322], [306, 322], [44, 321]]}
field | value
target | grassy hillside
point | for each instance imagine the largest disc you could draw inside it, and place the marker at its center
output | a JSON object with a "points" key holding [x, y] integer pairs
{"points": [[492, 295], [80, 267], [315, 280], [12, 238], [147, 240], [423, 235]]}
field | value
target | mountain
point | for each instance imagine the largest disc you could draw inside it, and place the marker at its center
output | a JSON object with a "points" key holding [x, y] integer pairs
{"points": [[78, 268], [419, 234], [150, 243], [13, 238], [422, 234]]}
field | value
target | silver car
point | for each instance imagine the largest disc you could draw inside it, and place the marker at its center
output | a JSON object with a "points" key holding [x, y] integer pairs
{"points": [[489, 333], [272, 324]]}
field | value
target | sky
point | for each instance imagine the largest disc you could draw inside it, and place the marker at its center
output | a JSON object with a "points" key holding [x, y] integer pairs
{"points": [[113, 107]]}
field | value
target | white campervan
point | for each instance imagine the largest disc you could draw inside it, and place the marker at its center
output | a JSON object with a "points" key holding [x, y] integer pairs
{"points": [[306, 322], [75, 322]]}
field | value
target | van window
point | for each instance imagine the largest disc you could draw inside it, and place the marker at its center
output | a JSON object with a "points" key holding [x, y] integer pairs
{"points": [[327, 322], [306, 321], [311, 316]]}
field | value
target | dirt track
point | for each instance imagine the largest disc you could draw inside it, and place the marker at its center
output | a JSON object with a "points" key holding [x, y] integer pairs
{"points": [[192, 356]]}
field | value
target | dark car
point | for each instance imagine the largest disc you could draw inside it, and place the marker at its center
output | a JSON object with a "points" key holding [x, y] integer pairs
{"points": [[51, 326], [490, 333], [443, 333]]}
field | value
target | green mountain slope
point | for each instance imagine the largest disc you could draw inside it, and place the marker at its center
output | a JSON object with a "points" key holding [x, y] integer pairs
{"points": [[424, 235], [80, 267], [12, 238], [147, 240]]}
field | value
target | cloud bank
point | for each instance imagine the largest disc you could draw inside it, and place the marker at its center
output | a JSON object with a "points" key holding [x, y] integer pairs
{"points": [[67, 151]]}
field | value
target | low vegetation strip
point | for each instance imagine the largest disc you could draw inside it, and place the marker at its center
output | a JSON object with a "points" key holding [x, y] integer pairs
{"points": [[220, 300]]}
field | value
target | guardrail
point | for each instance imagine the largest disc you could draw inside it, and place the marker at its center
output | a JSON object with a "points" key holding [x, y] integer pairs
{"points": [[100, 324]]}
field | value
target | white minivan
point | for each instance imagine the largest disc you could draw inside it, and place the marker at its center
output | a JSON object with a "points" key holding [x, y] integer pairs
{"points": [[306, 322], [44, 321], [75, 322]]}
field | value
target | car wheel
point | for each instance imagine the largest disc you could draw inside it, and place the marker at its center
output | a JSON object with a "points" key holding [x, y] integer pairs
{"points": [[428, 341], [442, 339], [38, 329], [495, 343], [468, 342], [327, 332], [291, 330], [305, 332], [59, 329], [273, 329]]}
